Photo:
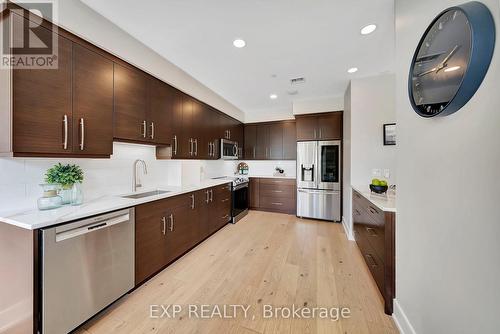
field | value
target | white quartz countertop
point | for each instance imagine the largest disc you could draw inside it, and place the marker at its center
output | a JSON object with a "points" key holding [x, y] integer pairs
{"points": [[274, 176], [385, 202], [32, 218]]}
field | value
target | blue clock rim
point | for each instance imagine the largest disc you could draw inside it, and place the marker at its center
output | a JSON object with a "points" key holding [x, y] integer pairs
{"points": [[483, 34]]}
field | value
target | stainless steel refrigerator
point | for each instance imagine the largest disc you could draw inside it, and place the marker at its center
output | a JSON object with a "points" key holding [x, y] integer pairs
{"points": [[318, 179]]}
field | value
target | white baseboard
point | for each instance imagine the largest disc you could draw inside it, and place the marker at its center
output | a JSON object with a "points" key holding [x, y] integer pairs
{"points": [[401, 320], [347, 230]]}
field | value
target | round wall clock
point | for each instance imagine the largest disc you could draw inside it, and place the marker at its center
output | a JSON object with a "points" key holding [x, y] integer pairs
{"points": [[451, 59]]}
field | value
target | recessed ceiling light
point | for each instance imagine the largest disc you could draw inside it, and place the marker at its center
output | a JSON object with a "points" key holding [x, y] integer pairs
{"points": [[352, 70], [368, 29], [239, 43], [451, 69], [273, 96]]}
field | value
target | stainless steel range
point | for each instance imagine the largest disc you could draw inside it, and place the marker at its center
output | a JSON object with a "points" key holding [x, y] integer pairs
{"points": [[239, 196]]}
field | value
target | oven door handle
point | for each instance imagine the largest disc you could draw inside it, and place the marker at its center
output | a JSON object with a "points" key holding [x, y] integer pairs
{"points": [[240, 186]]}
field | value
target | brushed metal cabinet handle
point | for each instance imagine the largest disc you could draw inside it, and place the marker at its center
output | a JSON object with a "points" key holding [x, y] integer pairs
{"points": [[207, 193], [144, 126], [254, 152], [211, 195], [82, 134], [277, 203], [65, 130], [371, 232], [277, 191], [152, 130], [175, 145], [164, 222], [196, 147], [191, 146], [225, 200], [192, 201], [320, 133], [171, 222], [372, 261]]}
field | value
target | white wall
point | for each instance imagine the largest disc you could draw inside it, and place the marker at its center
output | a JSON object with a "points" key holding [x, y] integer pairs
{"points": [[20, 178], [369, 103], [372, 105], [84, 22], [346, 164], [447, 225], [267, 168], [320, 104]]}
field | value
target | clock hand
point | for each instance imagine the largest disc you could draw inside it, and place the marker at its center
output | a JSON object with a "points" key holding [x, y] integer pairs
{"points": [[427, 72], [443, 64]]}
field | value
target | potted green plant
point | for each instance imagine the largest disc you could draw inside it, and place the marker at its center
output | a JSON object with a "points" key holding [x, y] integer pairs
{"points": [[69, 177]]}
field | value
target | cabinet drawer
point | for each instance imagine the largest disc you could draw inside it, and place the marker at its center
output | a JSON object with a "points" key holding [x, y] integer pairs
{"points": [[224, 204], [276, 181], [277, 190], [375, 236], [201, 196], [223, 189], [181, 200], [278, 204], [376, 267], [373, 212]]}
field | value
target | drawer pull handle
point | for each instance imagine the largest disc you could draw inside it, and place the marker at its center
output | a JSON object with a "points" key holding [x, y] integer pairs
{"points": [[171, 222], [225, 200], [372, 261], [277, 191], [277, 203], [164, 222], [371, 232], [372, 210]]}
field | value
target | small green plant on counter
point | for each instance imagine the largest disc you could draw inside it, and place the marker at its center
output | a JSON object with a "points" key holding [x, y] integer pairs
{"points": [[65, 175]]}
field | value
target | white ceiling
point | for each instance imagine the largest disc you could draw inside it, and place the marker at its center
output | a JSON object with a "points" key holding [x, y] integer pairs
{"points": [[317, 39]]}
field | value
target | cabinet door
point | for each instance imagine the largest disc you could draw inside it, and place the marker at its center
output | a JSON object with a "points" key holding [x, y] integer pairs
{"points": [[307, 128], [130, 87], [276, 141], [262, 147], [330, 126], [160, 112], [92, 103], [150, 239], [176, 125], [250, 141], [186, 142], [42, 103], [239, 138], [253, 193], [289, 141], [182, 230], [200, 131]]}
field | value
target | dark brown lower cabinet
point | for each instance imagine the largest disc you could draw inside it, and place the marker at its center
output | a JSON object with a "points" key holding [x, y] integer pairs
{"points": [[374, 231], [273, 194], [168, 228]]}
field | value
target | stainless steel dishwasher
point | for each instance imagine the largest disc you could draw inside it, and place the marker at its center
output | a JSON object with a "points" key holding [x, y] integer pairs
{"points": [[86, 265]]}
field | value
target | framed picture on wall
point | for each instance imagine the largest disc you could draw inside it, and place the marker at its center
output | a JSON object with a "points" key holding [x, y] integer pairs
{"points": [[390, 134]]}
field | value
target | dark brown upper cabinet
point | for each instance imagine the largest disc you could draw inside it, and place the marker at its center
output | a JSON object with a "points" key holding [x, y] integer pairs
{"points": [[42, 112], [131, 103], [92, 103], [275, 151], [289, 140], [93, 98], [270, 141], [176, 124], [64, 111], [160, 112], [325, 126], [250, 141]]}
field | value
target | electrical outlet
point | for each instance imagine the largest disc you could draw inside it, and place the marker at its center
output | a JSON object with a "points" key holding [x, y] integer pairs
{"points": [[376, 172], [387, 173]]}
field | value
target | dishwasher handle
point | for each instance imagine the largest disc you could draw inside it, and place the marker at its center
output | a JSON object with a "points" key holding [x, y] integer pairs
{"points": [[76, 232]]}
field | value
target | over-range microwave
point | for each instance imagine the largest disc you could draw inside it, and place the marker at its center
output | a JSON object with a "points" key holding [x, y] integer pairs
{"points": [[228, 149]]}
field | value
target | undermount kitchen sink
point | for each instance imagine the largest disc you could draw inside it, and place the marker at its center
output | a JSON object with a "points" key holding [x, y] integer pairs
{"points": [[146, 194]]}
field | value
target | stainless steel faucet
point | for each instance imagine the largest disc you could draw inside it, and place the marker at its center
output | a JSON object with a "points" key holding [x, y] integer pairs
{"points": [[136, 181]]}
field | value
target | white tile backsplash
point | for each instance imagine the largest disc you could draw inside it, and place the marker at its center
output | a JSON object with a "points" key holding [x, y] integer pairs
{"points": [[267, 168], [20, 178]]}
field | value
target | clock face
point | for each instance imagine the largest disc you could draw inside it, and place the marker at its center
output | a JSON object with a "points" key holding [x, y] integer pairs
{"points": [[441, 62]]}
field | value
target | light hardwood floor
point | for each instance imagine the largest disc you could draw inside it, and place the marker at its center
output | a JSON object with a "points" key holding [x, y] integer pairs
{"points": [[266, 258]]}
